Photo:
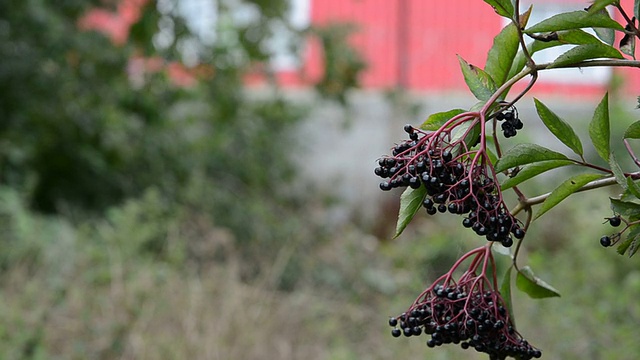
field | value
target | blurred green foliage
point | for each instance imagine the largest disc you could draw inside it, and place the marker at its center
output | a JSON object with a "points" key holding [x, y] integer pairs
{"points": [[342, 63], [76, 133]]}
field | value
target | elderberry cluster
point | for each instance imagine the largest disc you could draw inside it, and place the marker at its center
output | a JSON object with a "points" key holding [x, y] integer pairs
{"points": [[511, 123], [471, 318], [453, 184]]}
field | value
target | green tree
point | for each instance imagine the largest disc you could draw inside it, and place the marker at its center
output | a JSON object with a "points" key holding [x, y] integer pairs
{"points": [[75, 132]]}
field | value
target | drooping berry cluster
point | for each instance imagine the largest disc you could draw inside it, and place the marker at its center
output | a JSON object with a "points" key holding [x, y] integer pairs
{"points": [[511, 123], [468, 312], [458, 184]]}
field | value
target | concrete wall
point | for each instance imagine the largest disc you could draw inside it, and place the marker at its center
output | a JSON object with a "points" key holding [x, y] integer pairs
{"points": [[344, 144]]}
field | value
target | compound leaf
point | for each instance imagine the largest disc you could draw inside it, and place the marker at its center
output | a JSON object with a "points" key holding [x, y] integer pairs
{"points": [[599, 129], [633, 131], [575, 20], [479, 82], [502, 53], [523, 154], [558, 127], [565, 189], [533, 286], [410, 202], [533, 170], [437, 120], [502, 7]]}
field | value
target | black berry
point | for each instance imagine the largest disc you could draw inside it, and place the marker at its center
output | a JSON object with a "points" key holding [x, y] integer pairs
{"points": [[615, 221]]}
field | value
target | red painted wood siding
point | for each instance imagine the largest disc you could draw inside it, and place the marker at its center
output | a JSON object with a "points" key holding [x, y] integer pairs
{"points": [[426, 48], [631, 76], [414, 42]]}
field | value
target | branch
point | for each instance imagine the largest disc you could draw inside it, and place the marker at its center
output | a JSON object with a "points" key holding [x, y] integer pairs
{"points": [[527, 203], [590, 186], [593, 63], [630, 22]]}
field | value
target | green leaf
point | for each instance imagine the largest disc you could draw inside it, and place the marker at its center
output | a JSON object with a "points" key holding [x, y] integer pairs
{"points": [[633, 188], [533, 286], [633, 236], [437, 120], [565, 189], [502, 7], [473, 136], [533, 170], [600, 4], [617, 171], [560, 128], [599, 130], [502, 53], [585, 52], [491, 155], [523, 154], [636, 9], [633, 131], [627, 209], [505, 292], [410, 203], [524, 17], [575, 36], [575, 20], [606, 35], [479, 82]]}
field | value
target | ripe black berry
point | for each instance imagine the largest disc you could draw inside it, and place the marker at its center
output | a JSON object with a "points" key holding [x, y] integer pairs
{"points": [[508, 115], [517, 124], [446, 155], [507, 242], [615, 221], [518, 233], [396, 332], [605, 241], [393, 321]]}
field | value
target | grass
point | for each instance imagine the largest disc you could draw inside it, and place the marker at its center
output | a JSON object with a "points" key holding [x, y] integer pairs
{"points": [[130, 286]]}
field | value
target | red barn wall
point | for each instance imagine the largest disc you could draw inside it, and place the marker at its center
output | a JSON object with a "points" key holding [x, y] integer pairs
{"points": [[413, 43]]}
